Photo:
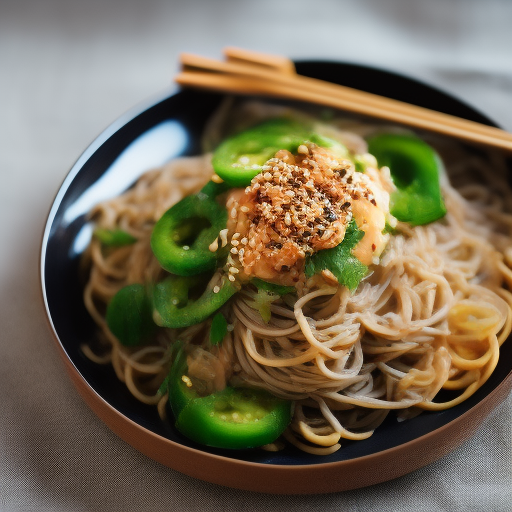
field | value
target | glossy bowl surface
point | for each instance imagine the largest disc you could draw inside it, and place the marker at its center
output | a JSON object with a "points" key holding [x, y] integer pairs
{"points": [[168, 127]]}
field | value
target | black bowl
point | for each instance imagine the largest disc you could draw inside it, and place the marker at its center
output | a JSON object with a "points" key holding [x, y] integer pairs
{"points": [[172, 126]]}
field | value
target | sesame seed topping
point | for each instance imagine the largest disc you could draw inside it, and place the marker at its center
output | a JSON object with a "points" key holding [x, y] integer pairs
{"points": [[298, 205]]}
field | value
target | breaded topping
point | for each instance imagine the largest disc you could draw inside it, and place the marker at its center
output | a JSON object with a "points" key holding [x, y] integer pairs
{"points": [[296, 206]]}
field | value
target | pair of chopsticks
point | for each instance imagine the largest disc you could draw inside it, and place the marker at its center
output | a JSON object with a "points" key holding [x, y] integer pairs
{"points": [[254, 73]]}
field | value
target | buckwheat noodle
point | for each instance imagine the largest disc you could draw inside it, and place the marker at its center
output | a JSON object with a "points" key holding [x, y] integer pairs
{"points": [[431, 316]]}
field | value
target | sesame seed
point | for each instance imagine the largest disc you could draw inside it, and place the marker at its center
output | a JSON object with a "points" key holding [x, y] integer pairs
{"points": [[214, 245], [329, 277], [186, 380], [223, 233], [231, 278], [216, 289], [217, 179]]}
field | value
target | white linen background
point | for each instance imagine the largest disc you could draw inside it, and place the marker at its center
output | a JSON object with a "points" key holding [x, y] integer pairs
{"points": [[67, 70]]}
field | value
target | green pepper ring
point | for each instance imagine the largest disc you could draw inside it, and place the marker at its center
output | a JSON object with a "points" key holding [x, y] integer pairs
{"points": [[415, 168], [240, 158], [173, 310], [210, 420], [195, 258]]}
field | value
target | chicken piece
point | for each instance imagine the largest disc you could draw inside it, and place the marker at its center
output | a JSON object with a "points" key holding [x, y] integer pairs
{"points": [[299, 205]]}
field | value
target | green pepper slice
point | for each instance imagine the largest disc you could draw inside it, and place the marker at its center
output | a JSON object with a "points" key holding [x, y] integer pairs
{"points": [[212, 189], [181, 238], [415, 168], [234, 418], [277, 289], [241, 157], [114, 237], [174, 308], [129, 315], [218, 329]]}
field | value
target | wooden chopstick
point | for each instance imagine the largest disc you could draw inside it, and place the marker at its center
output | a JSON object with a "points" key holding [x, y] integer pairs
{"points": [[345, 93], [267, 61], [285, 65], [241, 75]]}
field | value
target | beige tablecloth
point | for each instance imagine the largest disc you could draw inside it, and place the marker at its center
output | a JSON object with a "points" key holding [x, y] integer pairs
{"points": [[67, 70]]}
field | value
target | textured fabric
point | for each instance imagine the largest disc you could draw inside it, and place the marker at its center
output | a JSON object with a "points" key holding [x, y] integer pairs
{"points": [[67, 70]]}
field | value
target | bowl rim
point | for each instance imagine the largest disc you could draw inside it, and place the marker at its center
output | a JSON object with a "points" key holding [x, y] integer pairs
{"points": [[249, 475]]}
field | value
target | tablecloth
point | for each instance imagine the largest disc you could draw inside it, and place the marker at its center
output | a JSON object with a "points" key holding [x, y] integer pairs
{"points": [[67, 70]]}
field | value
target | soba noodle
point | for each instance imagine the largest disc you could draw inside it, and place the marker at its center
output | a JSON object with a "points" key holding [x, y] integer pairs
{"points": [[430, 316]]}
